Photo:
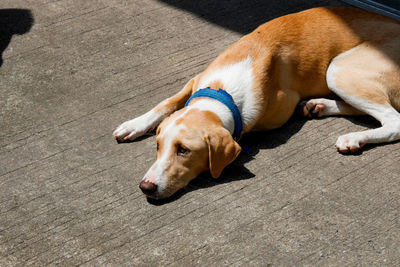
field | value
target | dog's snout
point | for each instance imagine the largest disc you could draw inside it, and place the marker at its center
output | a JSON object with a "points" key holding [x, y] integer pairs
{"points": [[148, 187]]}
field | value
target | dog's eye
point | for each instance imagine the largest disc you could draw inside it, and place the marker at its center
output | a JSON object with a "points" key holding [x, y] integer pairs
{"points": [[158, 146], [181, 151]]}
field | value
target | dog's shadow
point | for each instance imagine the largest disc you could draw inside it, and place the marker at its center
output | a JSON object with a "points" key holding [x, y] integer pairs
{"points": [[251, 144]]}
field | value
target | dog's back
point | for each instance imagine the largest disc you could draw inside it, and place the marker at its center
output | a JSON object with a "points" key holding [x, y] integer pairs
{"points": [[304, 44]]}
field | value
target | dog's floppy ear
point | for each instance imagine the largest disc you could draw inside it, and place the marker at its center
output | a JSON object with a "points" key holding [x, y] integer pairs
{"points": [[222, 150]]}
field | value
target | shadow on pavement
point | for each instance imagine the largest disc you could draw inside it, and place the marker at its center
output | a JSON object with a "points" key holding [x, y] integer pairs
{"points": [[244, 16], [251, 144], [13, 21]]}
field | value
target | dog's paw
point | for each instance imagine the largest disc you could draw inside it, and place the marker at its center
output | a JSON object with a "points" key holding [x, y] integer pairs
{"points": [[132, 129], [312, 108], [351, 142]]}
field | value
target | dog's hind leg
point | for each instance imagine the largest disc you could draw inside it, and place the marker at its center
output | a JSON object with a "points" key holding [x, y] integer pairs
{"points": [[135, 128], [367, 77]]}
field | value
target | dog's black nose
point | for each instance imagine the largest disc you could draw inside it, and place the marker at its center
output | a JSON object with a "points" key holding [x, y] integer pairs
{"points": [[148, 187]]}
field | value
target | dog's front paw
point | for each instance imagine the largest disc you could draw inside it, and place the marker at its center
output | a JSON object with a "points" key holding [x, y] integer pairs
{"points": [[351, 142], [132, 129], [312, 108]]}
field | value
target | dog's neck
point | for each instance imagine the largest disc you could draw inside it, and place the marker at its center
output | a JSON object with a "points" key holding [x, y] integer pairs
{"points": [[212, 105]]}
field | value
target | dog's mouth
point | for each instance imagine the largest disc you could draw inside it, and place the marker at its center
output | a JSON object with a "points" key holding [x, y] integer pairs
{"points": [[153, 195], [162, 195], [160, 190], [158, 194]]}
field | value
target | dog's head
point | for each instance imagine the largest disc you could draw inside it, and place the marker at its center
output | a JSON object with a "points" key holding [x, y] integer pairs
{"points": [[189, 142]]}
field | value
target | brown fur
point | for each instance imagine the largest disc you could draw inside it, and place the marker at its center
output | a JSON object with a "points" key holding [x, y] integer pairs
{"points": [[290, 56]]}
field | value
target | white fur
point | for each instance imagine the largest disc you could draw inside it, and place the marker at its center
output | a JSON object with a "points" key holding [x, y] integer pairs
{"points": [[156, 173], [219, 109], [329, 107], [385, 114], [132, 129], [238, 81], [331, 72]]}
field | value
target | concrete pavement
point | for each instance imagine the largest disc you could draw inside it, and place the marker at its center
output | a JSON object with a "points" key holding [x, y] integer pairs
{"points": [[73, 70]]}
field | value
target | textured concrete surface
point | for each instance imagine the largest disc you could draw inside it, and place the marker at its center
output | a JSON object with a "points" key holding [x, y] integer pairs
{"points": [[71, 71]]}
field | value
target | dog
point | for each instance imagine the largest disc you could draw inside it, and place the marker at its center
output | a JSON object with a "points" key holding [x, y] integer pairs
{"points": [[257, 83]]}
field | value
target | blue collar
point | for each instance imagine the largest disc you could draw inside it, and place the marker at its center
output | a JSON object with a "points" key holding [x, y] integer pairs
{"points": [[226, 99]]}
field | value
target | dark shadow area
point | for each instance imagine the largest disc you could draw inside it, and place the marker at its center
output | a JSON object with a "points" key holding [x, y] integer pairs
{"points": [[140, 138], [245, 15], [233, 172], [251, 144], [389, 8], [368, 147], [13, 21]]}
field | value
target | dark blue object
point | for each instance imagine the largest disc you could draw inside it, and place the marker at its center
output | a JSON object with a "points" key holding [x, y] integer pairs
{"points": [[226, 99], [247, 150], [390, 8]]}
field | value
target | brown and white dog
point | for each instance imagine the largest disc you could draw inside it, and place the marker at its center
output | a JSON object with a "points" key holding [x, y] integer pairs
{"points": [[352, 53]]}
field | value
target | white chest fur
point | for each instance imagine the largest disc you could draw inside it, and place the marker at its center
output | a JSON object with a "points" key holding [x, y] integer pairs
{"points": [[238, 80]]}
